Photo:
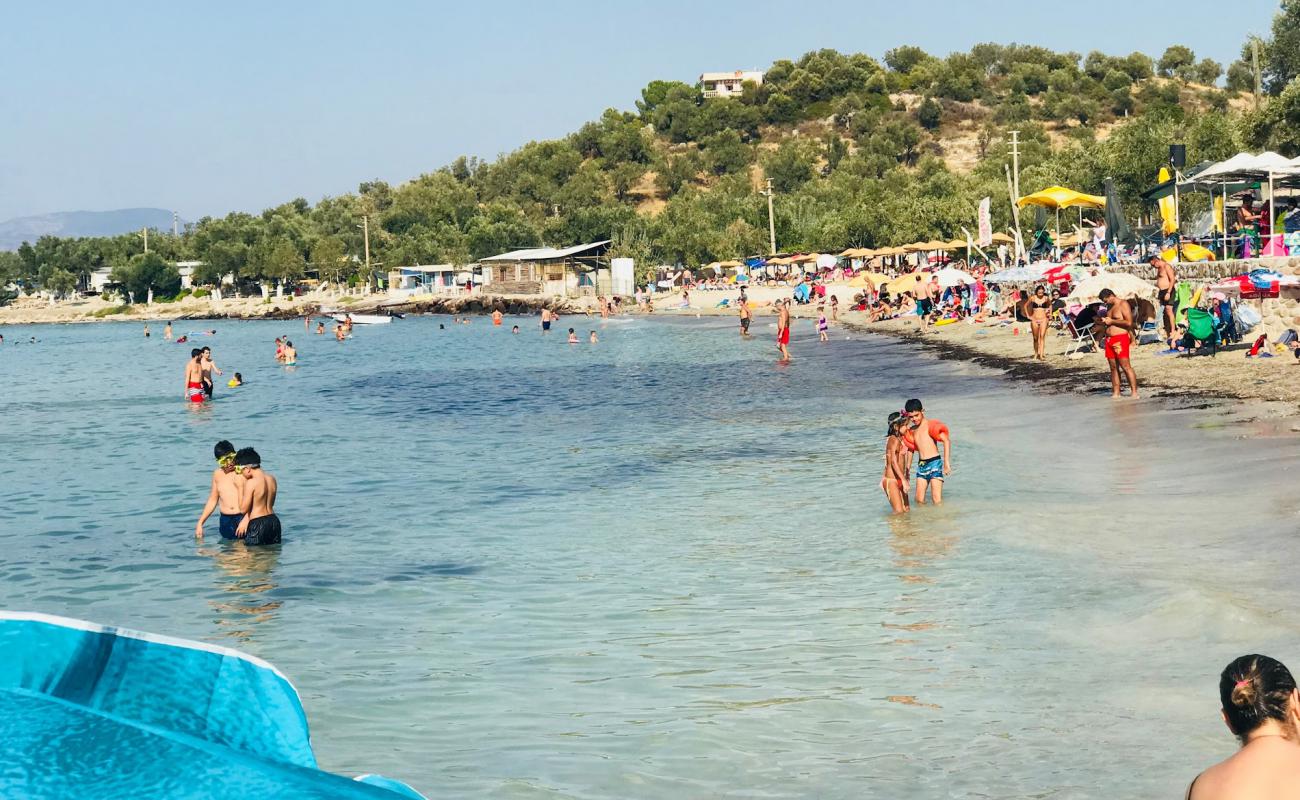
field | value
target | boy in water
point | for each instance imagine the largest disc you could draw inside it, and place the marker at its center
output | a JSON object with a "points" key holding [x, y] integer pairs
{"points": [[209, 367], [194, 377], [224, 495], [290, 353], [238, 380], [573, 336], [260, 525], [167, 331], [932, 468], [593, 338], [1118, 321]]}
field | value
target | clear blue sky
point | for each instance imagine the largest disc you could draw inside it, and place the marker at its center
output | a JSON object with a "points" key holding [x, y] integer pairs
{"points": [[210, 107]]}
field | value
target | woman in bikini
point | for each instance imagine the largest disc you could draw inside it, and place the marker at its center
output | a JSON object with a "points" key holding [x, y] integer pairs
{"points": [[1039, 306], [1261, 707]]}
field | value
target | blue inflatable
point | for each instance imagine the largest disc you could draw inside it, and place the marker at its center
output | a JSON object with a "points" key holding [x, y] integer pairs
{"points": [[89, 711]]}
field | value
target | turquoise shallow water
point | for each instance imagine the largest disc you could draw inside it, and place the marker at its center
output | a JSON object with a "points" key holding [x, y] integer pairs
{"points": [[661, 566]]}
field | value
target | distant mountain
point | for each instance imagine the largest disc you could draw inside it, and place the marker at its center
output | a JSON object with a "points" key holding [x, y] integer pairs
{"points": [[81, 223]]}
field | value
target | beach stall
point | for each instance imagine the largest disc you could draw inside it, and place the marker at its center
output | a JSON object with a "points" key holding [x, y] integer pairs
{"points": [[547, 270]]}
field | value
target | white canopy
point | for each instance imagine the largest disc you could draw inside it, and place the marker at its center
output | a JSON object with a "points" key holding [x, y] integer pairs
{"points": [[1245, 165]]}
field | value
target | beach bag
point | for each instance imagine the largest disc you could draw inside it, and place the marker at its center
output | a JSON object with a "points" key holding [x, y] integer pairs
{"points": [[1247, 317]]}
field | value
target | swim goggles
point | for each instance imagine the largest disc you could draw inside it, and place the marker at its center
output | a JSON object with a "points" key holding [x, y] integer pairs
{"points": [[239, 468], [226, 460]]}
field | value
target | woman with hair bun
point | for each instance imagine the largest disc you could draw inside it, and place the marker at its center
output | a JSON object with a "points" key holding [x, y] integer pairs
{"points": [[1261, 707]]}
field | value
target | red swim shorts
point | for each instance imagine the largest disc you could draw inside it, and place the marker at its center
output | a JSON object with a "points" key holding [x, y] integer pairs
{"points": [[784, 336], [1117, 347]]}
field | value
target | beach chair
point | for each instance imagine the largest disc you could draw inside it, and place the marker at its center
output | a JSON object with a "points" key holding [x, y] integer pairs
{"points": [[1201, 327], [1080, 335]]}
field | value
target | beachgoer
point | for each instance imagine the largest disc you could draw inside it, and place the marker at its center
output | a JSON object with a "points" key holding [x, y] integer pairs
{"points": [[340, 335], [1039, 306], [238, 380], [260, 525], [515, 329], [894, 481], [279, 349], [194, 377], [146, 330], [573, 336], [593, 338], [320, 327], [835, 308], [1118, 322], [224, 494], [167, 331], [496, 317], [1247, 224], [745, 316], [1166, 280], [290, 353], [1261, 707], [920, 294], [821, 327], [306, 323], [546, 320], [783, 329], [209, 367], [926, 435], [604, 306]]}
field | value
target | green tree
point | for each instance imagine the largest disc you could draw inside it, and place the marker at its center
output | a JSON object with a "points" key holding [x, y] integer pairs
{"points": [[725, 153], [1241, 78], [789, 166], [284, 263], [929, 114], [1177, 62], [146, 271], [1208, 71], [1281, 53], [328, 257]]}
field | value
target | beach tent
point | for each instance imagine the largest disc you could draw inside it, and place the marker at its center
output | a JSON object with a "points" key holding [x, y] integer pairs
{"points": [[1121, 283], [1059, 197]]}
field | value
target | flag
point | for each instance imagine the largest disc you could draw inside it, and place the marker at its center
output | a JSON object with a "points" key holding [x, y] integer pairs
{"points": [[985, 224], [1168, 214]]}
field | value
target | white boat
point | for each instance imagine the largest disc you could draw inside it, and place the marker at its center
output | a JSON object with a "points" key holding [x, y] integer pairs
{"points": [[364, 319]]}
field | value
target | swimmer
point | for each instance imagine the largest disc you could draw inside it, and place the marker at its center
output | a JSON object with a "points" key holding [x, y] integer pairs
{"points": [[194, 377], [496, 317], [546, 320], [573, 336], [290, 354], [260, 525], [224, 494], [442, 327], [279, 349], [146, 330], [209, 367], [320, 327], [894, 481], [515, 329], [167, 331], [238, 380], [338, 332], [593, 338]]}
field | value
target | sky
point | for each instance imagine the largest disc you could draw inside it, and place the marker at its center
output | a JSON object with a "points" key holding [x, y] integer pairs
{"points": [[207, 108]]}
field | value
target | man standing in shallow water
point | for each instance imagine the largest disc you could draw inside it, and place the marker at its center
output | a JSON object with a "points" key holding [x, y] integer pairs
{"points": [[194, 377], [260, 525], [224, 495]]}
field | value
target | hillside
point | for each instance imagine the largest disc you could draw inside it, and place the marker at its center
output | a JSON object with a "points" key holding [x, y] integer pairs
{"points": [[860, 152], [14, 232]]}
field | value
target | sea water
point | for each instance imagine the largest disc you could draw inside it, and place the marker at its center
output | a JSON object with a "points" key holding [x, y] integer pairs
{"points": [[661, 565]]}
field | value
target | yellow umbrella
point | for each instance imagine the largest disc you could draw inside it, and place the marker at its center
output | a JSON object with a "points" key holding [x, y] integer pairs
{"points": [[1191, 252], [1059, 197], [876, 279], [903, 282], [1003, 238], [780, 262], [955, 244], [729, 264], [852, 252]]}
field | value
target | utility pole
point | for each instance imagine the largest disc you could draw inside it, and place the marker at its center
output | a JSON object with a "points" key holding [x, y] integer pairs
{"points": [[145, 231], [1015, 162], [1254, 62], [176, 230], [771, 222]]}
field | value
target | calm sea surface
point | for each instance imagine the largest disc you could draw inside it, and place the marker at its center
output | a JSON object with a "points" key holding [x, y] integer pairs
{"points": [[660, 566]]}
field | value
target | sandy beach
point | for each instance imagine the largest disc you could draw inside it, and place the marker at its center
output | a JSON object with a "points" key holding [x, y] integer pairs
{"points": [[1009, 347]]}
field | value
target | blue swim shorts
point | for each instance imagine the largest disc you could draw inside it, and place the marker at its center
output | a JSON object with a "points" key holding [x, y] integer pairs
{"points": [[930, 469]]}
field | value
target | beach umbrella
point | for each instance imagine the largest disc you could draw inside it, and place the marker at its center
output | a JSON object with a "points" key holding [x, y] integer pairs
{"points": [[951, 276], [1121, 283], [876, 278], [1190, 252], [1059, 197], [1003, 238], [1117, 229], [1017, 275], [955, 244]]}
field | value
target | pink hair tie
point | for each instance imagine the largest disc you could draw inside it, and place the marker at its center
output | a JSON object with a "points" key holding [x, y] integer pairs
{"points": [[1241, 683]]}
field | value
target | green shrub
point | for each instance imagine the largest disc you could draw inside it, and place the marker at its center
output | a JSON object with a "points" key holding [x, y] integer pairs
{"points": [[111, 310], [202, 293]]}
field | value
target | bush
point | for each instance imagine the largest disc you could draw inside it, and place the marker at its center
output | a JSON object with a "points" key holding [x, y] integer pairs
{"points": [[111, 310], [201, 293]]}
